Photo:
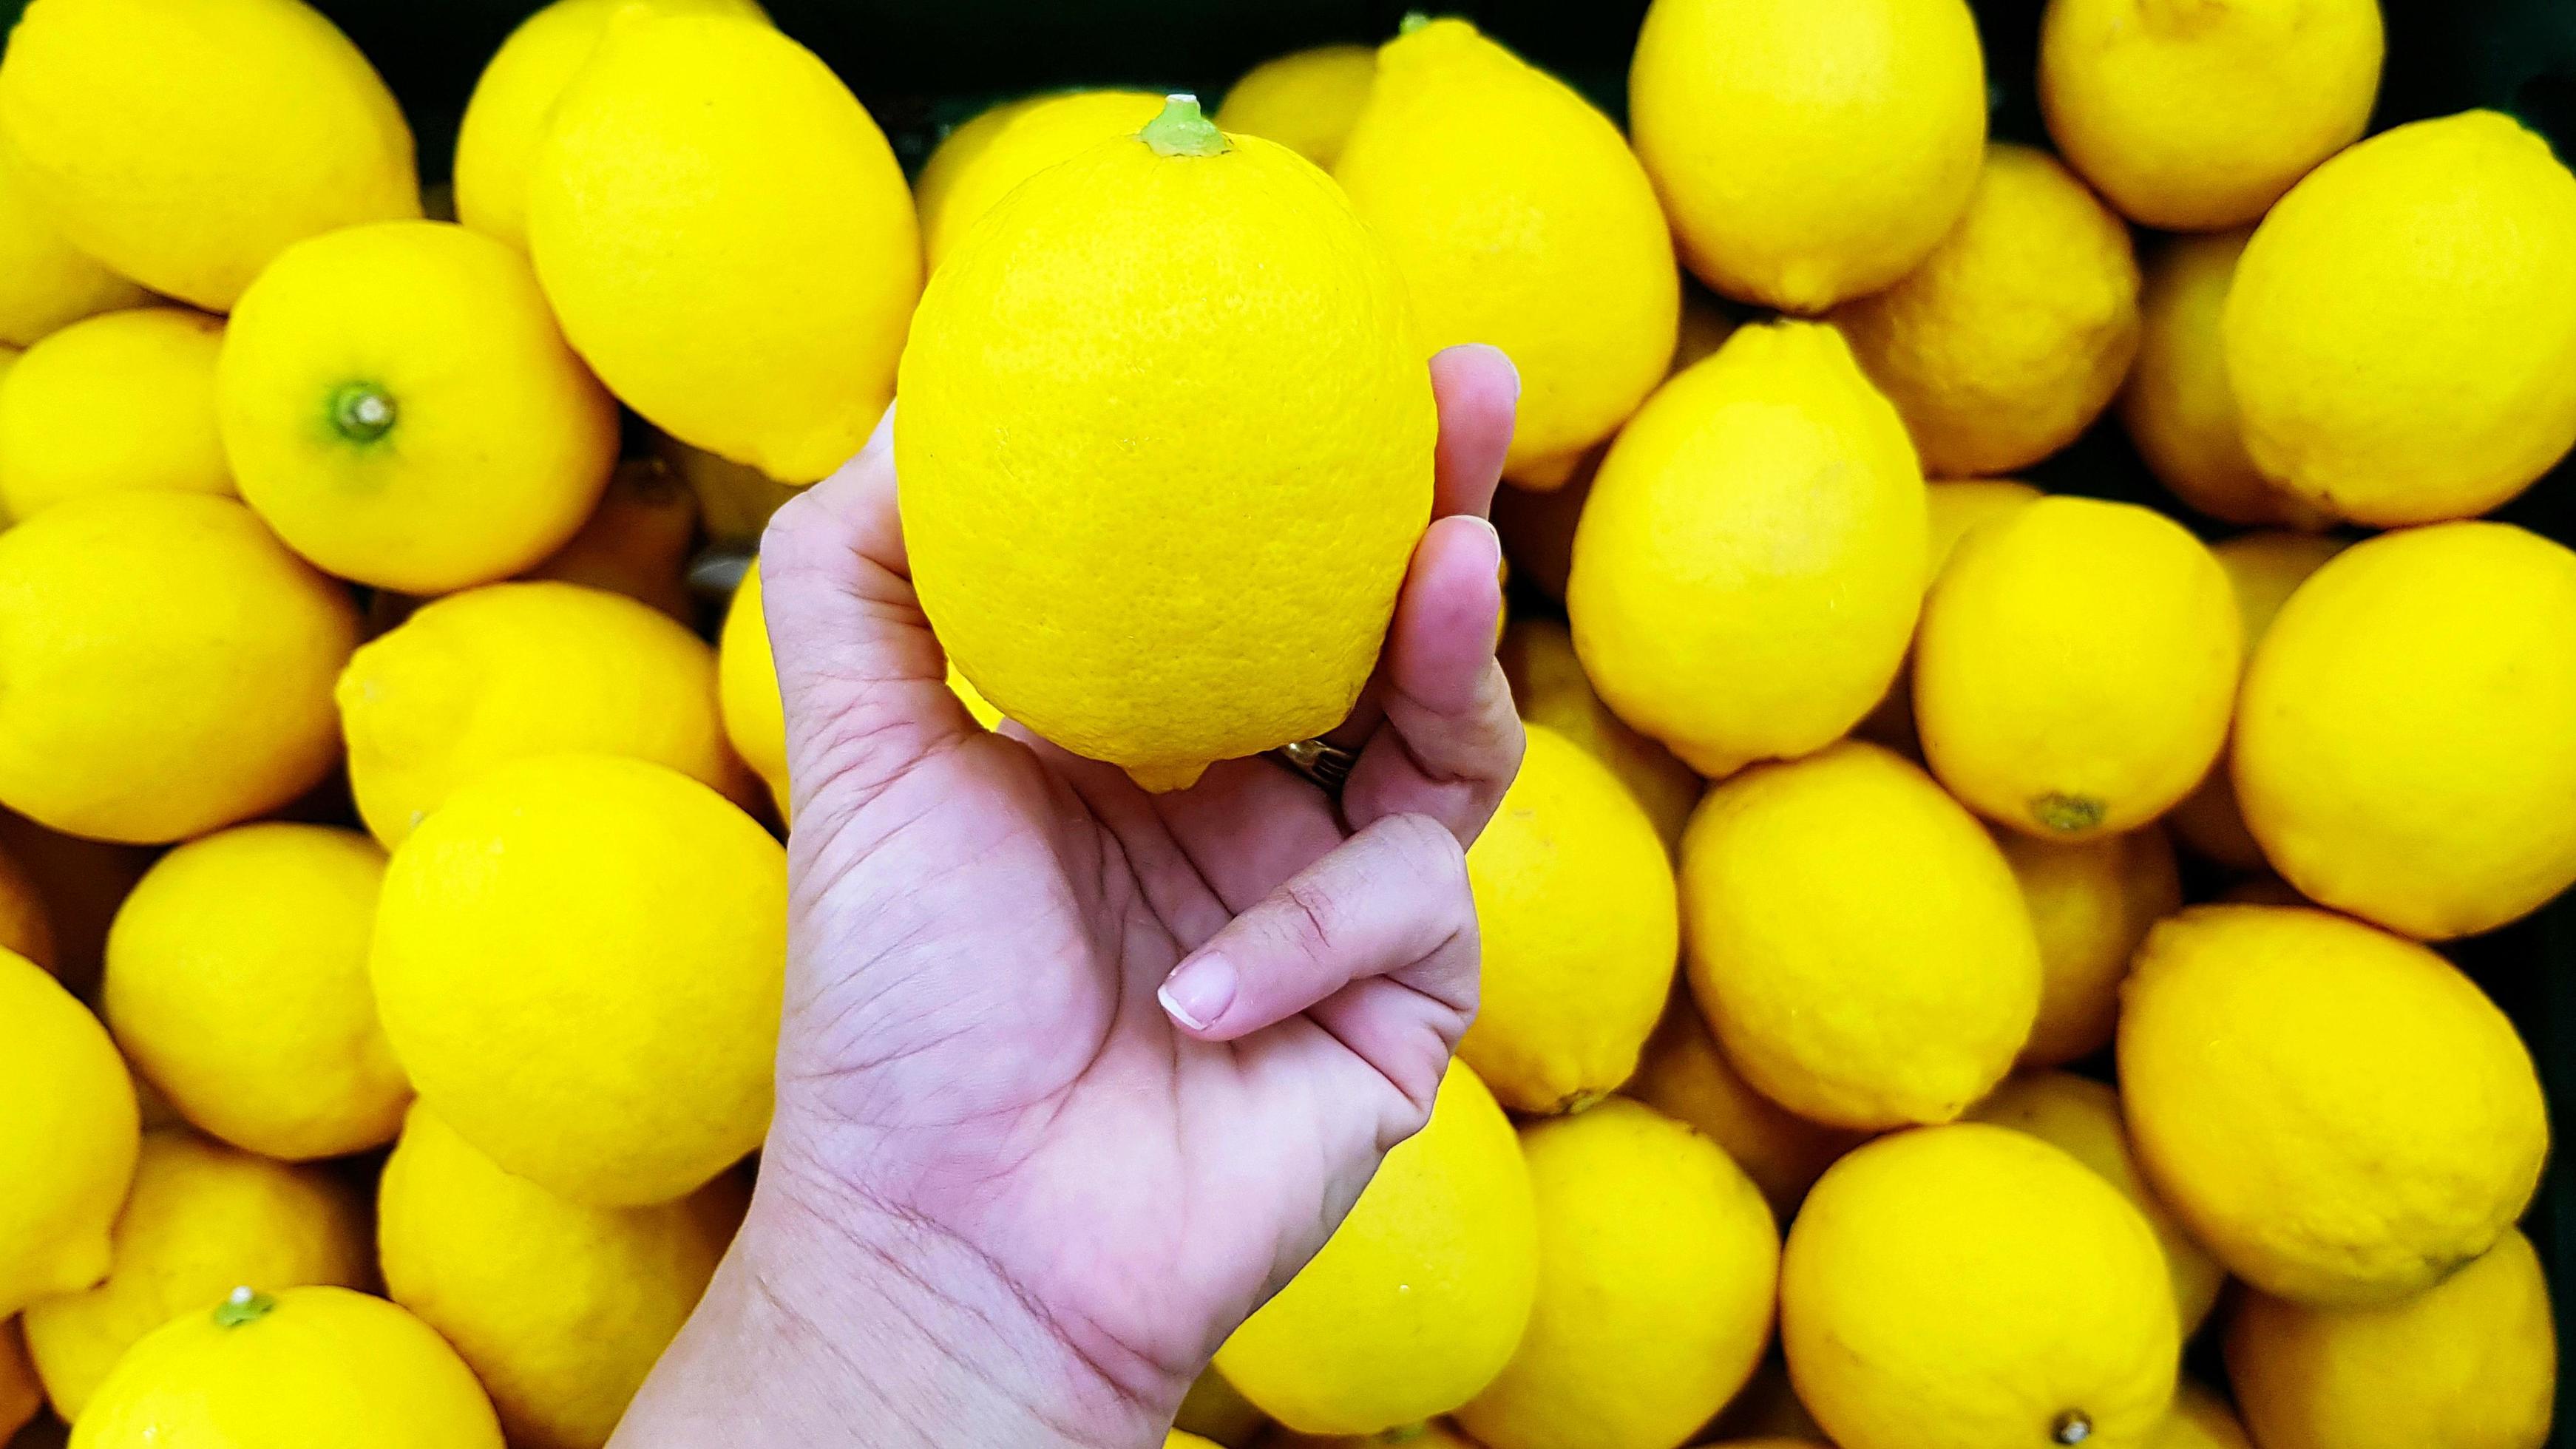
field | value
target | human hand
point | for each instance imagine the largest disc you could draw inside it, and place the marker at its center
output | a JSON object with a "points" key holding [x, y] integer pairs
{"points": [[1024, 1174]]}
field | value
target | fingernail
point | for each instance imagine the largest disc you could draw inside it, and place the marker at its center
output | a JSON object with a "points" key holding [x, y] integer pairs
{"points": [[1494, 538], [1199, 991]]}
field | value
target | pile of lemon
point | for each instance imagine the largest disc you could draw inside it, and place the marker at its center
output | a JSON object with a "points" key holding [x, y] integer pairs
{"points": [[368, 784]]}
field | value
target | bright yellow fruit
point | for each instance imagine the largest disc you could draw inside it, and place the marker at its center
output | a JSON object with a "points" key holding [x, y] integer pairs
{"points": [[169, 667], [1418, 1299], [727, 238], [2200, 1420], [1658, 1261], [2082, 1117], [1166, 575], [2091, 903], [312, 1365], [123, 400], [1965, 1287], [560, 1309], [1176, 1439], [1856, 941], [67, 1138], [237, 984], [2406, 743], [1808, 151], [980, 163], [1684, 1075], [1307, 100], [184, 143], [2178, 406], [2337, 1114], [2012, 336], [20, 1394], [2264, 568], [2401, 333], [637, 542], [2470, 1363], [1746, 573], [1550, 689], [400, 407], [1519, 218], [579, 960], [2076, 667], [510, 671], [202, 1219], [515, 100], [1574, 899], [46, 283], [2194, 117]]}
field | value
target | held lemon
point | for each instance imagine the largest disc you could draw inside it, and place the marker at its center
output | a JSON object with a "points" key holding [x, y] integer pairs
{"points": [[1808, 152], [67, 1138], [184, 143], [1686, 1076], [1574, 898], [1749, 564], [124, 400], [1856, 940], [1519, 218], [1550, 689], [1657, 1265], [46, 283], [982, 160], [2338, 1114], [2401, 333], [400, 407], [2407, 738], [1306, 101], [202, 1218], [1187, 548], [169, 667], [727, 239], [2091, 903], [1419, 1297]]}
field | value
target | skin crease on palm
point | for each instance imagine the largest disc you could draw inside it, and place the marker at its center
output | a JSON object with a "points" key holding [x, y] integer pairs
{"points": [[1024, 1175]]}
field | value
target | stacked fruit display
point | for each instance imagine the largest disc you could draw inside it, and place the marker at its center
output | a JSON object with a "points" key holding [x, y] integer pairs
{"points": [[393, 902]]}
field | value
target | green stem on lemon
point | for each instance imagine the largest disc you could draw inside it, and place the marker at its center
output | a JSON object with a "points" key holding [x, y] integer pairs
{"points": [[362, 411], [1182, 130], [243, 1305], [1413, 20]]}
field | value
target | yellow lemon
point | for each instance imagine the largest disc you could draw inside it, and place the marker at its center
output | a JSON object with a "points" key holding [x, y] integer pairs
{"points": [[509, 671], [46, 283], [67, 1138], [1215, 1412], [2200, 1420], [2407, 739], [2401, 333], [1549, 686], [2091, 903], [728, 240], [981, 162], [637, 541], [308, 1365], [2076, 667], [2196, 117], [2082, 1117], [124, 400], [2264, 568], [184, 143], [1574, 899], [21, 1395], [2469, 1363], [1418, 1299], [1684, 1075], [237, 984], [1856, 940], [561, 1309], [1657, 1265], [1307, 100], [151, 712], [579, 960], [1520, 218], [1808, 151], [2336, 1113], [1431, 1434], [1965, 1287], [2177, 404], [1748, 567], [1178, 1439], [202, 1219], [2014, 333], [1167, 575], [26, 922], [399, 406], [515, 97]]}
